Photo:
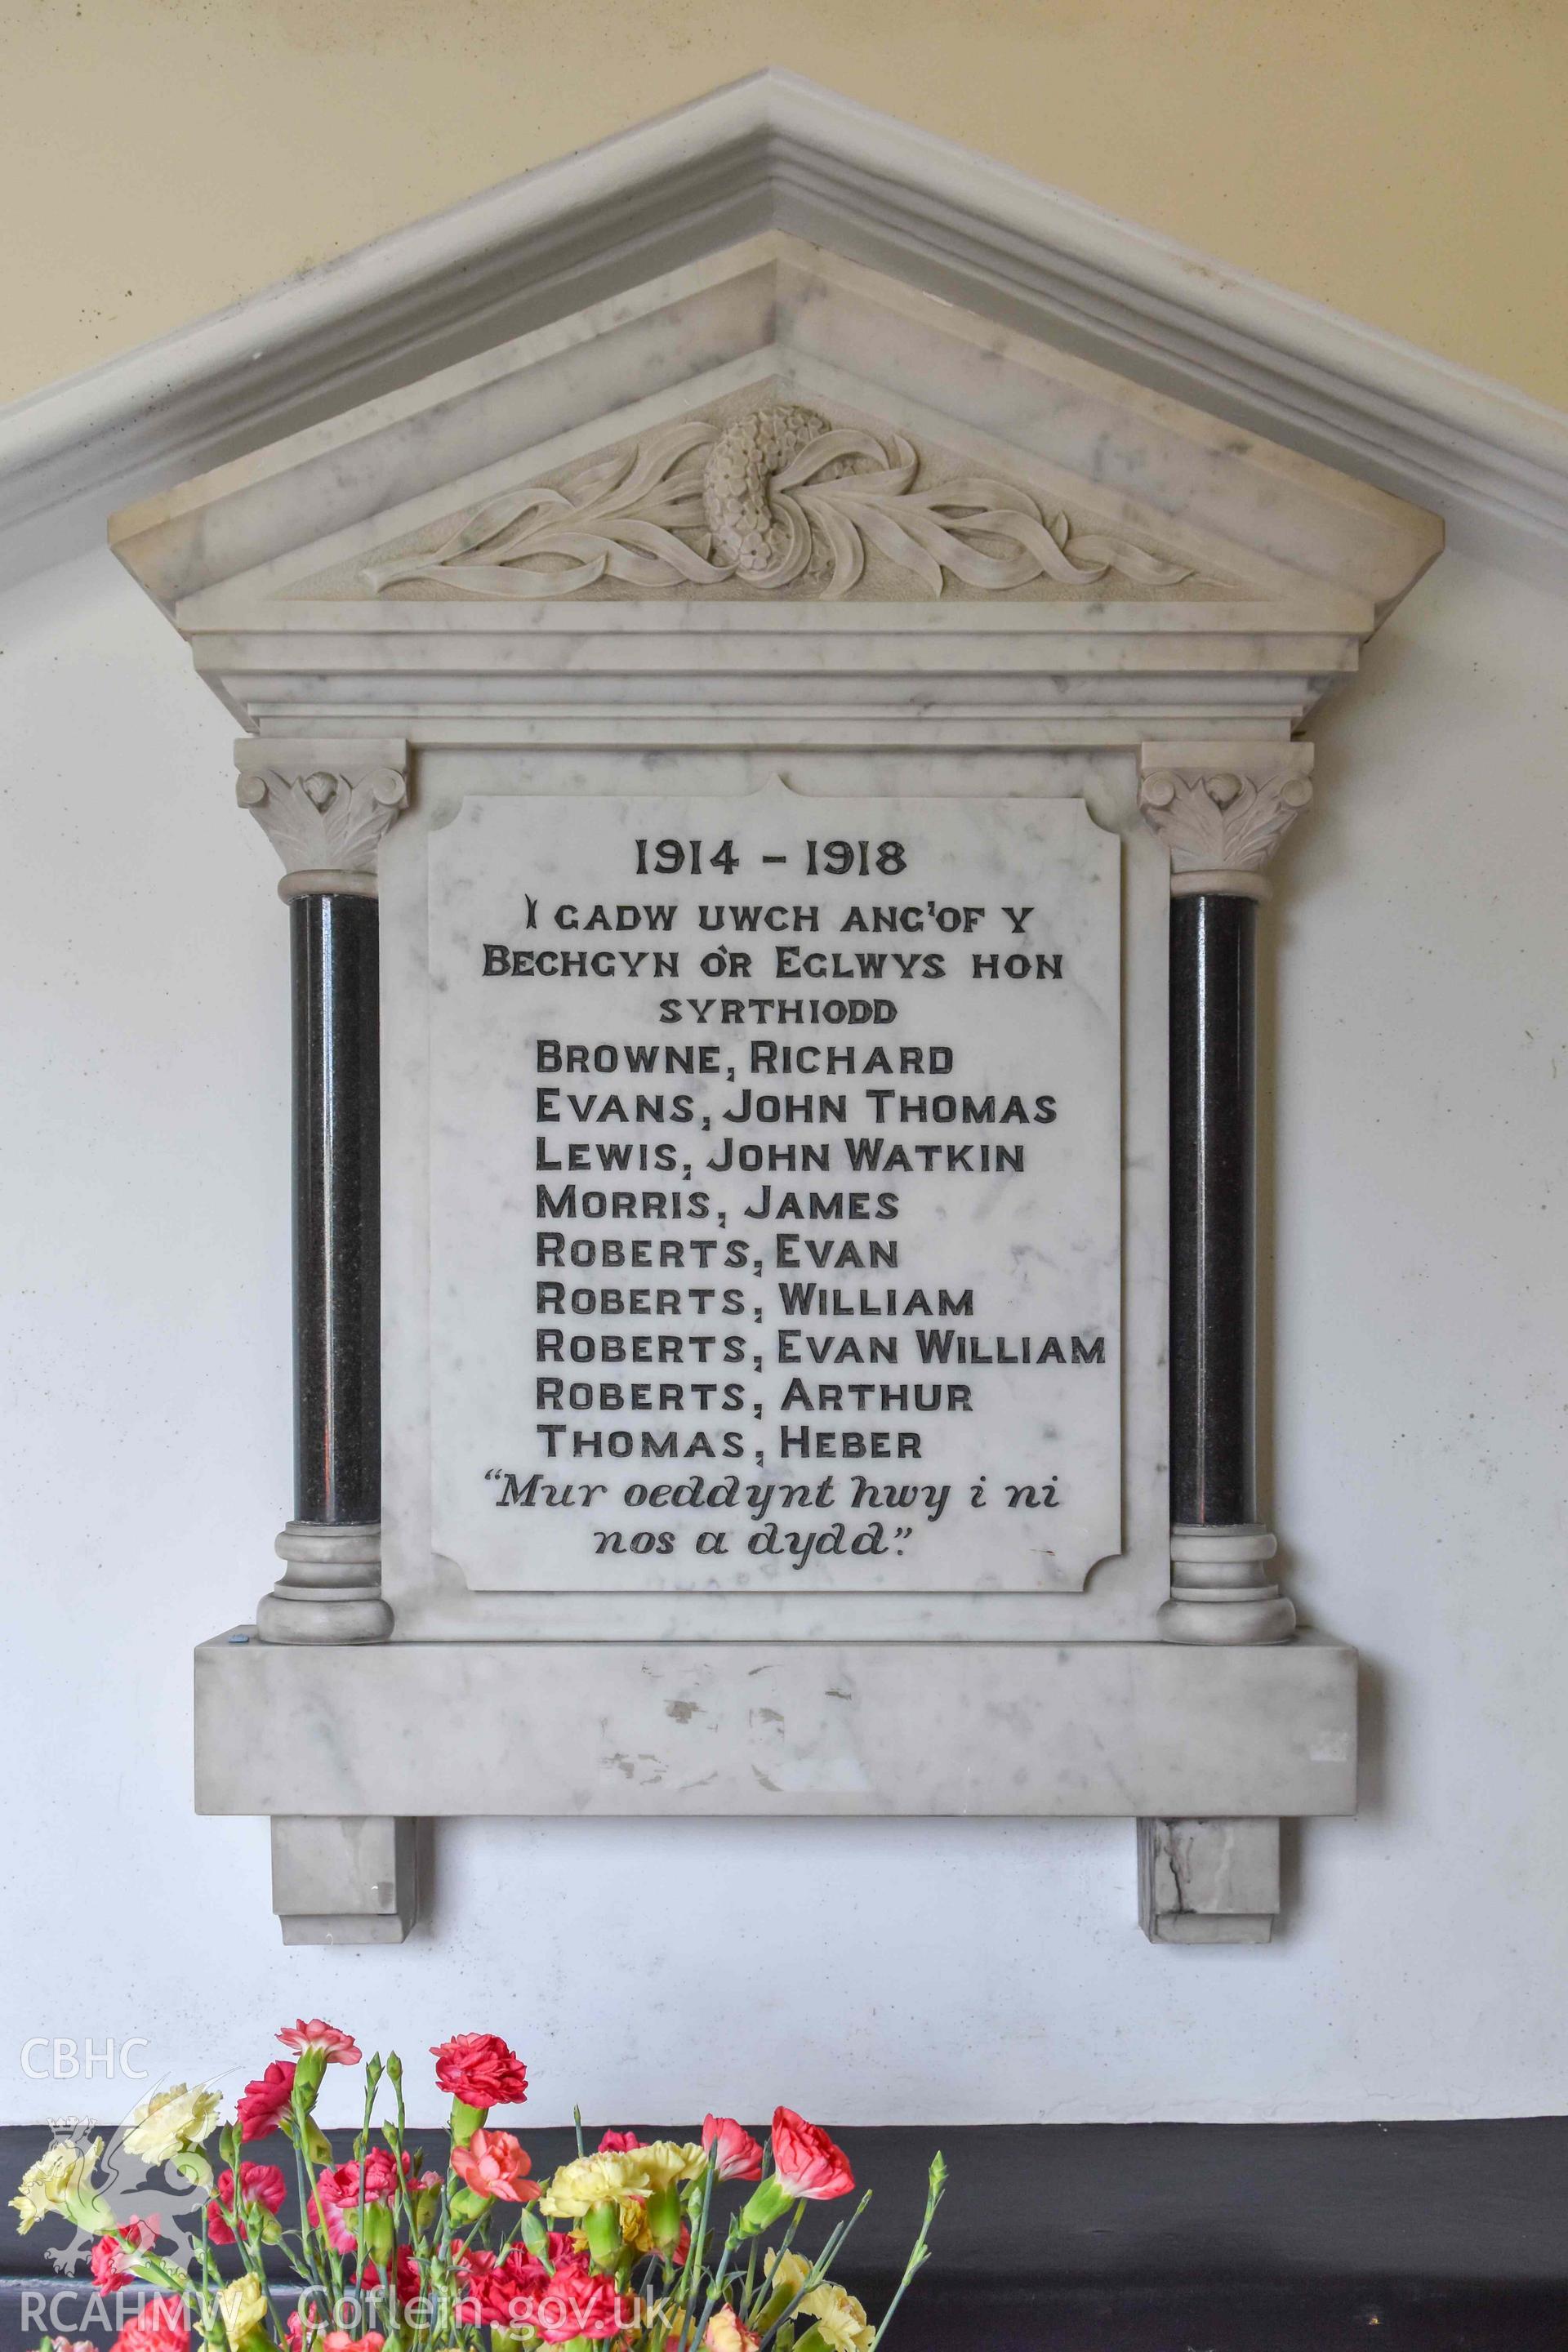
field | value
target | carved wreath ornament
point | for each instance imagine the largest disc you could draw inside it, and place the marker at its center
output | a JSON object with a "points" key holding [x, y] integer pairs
{"points": [[774, 498]]}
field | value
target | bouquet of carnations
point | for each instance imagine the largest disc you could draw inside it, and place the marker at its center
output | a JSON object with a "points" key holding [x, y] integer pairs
{"points": [[660, 2246]]}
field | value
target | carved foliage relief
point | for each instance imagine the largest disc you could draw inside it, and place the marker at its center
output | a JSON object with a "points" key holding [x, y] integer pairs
{"points": [[776, 499], [1225, 820], [325, 821]]}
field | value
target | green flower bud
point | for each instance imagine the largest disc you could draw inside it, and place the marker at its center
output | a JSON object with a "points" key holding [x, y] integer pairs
{"points": [[664, 2215], [603, 2229], [769, 2201], [533, 2233]]}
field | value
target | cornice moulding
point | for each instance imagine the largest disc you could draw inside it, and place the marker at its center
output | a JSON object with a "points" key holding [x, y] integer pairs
{"points": [[776, 151]]}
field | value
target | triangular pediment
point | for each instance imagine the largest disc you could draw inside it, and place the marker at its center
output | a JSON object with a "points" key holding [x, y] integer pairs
{"points": [[775, 323], [777, 438]]}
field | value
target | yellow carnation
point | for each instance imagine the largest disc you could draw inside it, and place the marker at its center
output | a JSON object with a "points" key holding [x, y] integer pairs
{"points": [[666, 2160], [62, 2176], [728, 2332], [841, 2321], [788, 2273], [635, 2231], [171, 2122], [606, 2177], [243, 2307]]}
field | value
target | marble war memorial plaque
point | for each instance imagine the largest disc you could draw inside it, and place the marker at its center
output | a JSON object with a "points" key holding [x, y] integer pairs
{"points": [[775, 1194], [774, 769]]}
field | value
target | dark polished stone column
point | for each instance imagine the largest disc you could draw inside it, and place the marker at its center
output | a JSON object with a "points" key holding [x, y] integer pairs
{"points": [[1221, 808], [1213, 1432], [335, 956], [325, 806]]}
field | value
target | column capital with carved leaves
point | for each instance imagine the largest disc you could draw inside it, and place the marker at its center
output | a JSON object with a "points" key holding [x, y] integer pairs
{"points": [[325, 803], [1222, 809]]}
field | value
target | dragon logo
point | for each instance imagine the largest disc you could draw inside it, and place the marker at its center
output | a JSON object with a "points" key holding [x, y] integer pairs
{"points": [[154, 2193]]}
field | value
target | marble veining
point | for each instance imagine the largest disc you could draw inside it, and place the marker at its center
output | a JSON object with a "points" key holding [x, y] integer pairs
{"points": [[611, 1729]]}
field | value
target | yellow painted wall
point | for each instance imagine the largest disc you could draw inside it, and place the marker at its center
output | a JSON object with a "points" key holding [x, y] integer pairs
{"points": [[1403, 160]]}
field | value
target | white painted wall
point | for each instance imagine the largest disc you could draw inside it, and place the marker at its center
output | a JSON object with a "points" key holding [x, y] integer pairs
{"points": [[872, 1972]]}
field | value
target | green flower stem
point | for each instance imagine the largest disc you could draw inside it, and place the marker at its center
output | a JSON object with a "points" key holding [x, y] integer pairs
{"points": [[300, 2110], [210, 2320], [307, 2267], [716, 2284], [936, 2182], [696, 2253], [361, 2151], [764, 2292], [818, 2270]]}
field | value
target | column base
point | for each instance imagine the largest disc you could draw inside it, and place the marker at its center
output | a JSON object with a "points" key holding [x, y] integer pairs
{"points": [[1213, 1882], [331, 1591], [1219, 1593], [343, 1878]]}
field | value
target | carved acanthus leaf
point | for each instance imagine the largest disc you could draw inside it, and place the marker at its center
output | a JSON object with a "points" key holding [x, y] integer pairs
{"points": [[774, 498], [1223, 819], [324, 820]]}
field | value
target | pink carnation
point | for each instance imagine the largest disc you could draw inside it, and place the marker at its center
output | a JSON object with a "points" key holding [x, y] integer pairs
{"points": [[479, 2069], [305, 2333], [494, 2165], [259, 2184], [265, 2101], [617, 2143], [339, 2048], [108, 2263], [337, 2197], [732, 2151], [809, 2164]]}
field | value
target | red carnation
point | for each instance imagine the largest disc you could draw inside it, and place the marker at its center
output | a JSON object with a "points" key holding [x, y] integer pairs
{"points": [[618, 2143], [108, 2263], [479, 2069], [259, 2184], [264, 2102], [407, 2280], [160, 2326], [809, 2164], [503, 2294], [580, 2303]]}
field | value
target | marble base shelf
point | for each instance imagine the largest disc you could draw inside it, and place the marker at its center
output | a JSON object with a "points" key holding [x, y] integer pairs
{"points": [[339, 1746]]}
